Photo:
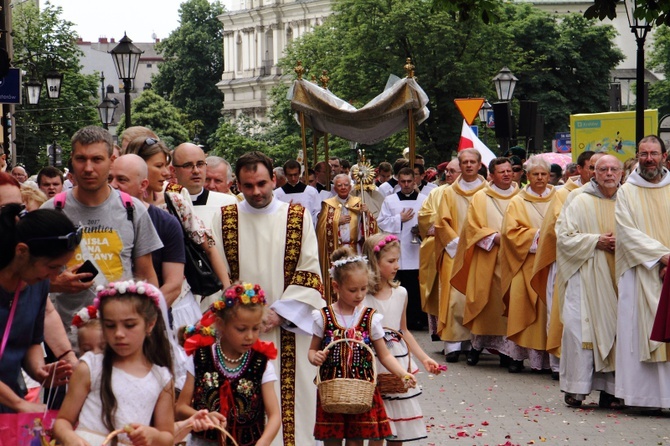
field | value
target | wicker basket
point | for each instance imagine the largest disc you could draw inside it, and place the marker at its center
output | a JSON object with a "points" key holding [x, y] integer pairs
{"points": [[347, 395], [390, 383]]}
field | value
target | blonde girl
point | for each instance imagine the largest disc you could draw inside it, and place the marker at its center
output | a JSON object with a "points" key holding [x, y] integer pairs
{"points": [[385, 296], [129, 386], [349, 318]]}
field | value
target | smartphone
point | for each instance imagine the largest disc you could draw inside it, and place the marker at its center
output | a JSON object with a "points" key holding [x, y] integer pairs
{"points": [[88, 267]]}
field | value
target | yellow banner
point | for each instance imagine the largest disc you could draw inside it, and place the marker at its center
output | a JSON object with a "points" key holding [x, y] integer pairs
{"points": [[612, 132]]}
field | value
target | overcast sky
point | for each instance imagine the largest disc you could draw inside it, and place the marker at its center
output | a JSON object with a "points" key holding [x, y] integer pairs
{"points": [[140, 19]]}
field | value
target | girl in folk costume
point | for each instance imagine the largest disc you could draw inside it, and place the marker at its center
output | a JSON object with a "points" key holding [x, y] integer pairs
{"points": [[385, 296], [86, 326], [231, 374], [129, 386], [348, 318]]}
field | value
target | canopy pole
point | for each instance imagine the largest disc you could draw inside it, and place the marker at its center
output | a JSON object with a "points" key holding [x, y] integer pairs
{"points": [[411, 125], [325, 148], [303, 134]]}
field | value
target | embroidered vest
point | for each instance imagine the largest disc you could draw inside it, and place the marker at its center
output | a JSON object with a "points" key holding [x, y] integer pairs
{"points": [[347, 360], [246, 419]]}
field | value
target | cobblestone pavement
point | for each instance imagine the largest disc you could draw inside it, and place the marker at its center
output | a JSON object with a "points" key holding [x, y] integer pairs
{"points": [[486, 405]]}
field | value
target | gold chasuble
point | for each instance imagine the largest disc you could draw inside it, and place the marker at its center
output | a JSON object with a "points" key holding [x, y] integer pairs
{"points": [[545, 257], [476, 271], [451, 214], [429, 280], [329, 237], [526, 313]]}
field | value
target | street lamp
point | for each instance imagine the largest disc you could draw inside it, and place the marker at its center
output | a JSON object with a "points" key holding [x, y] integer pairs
{"points": [[34, 86], [640, 28], [483, 117], [126, 58], [505, 82], [33, 89], [54, 81], [106, 111]]}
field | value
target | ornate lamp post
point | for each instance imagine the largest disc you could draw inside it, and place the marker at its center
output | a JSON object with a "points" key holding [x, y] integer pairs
{"points": [[106, 111], [640, 28], [33, 85], [126, 58], [505, 82]]}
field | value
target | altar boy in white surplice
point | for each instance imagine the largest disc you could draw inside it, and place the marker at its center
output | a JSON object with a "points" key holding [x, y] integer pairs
{"points": [[273, 243]]}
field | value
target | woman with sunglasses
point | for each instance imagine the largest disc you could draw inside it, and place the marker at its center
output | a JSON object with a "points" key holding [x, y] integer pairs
{"points": [[34, 248]]}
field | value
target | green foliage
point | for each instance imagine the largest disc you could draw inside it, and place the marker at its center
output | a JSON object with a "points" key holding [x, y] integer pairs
{"points": [[231, 140], [43, 40], [152, 111], [659, 60], [564, 65], [193, 64], [653, 11]]}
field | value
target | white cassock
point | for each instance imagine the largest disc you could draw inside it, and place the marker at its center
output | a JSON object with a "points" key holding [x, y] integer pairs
{"points": [[270, 247], [301, 194], [642, 238], [389, 221], [590, 297]]}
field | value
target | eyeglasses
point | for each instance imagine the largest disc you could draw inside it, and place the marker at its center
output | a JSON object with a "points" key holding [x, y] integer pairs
{"points": [[517, 169], [608, 169], [72, 239], [643, 155], [189, 166]]}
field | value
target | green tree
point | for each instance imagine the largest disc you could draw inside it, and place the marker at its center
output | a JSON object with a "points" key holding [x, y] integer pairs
{"points": [[193, 64], [43, 40], [659, 60], [563, 65], [152, 111], [230, 142]]}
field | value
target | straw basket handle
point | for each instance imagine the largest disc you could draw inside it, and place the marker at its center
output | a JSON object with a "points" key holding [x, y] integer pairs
{"points": [[409, 353], [372, 355], [224, 434]]}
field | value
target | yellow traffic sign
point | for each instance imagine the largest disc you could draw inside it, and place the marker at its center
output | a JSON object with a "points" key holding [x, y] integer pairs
{"points": [[469, 108]]}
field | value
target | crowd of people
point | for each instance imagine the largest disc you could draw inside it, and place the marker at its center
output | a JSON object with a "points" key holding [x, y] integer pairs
{"points": [[564, 278]]}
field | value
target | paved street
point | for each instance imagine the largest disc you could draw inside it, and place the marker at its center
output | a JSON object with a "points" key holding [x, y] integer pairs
{"points": [[486, 405]]}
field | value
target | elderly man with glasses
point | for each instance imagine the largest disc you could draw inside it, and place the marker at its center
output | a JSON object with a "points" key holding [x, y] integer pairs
{"points": [[190, 169]]}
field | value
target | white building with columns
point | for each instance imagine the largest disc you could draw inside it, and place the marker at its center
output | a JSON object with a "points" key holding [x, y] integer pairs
{"points": [[254, 39]]}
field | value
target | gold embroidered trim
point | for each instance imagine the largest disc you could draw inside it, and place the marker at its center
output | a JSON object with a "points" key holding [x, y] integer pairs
{"points": [[230, 236], [173, 187], [288, 386]]}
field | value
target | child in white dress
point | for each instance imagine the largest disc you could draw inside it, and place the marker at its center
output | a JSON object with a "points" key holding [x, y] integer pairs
{"points": [[389, 299], [129, 386]]}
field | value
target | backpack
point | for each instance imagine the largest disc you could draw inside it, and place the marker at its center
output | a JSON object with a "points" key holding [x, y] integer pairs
{"points": [[126, 199]]}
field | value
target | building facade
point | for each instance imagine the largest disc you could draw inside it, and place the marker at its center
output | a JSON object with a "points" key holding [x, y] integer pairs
{"points": [[254, 39]]}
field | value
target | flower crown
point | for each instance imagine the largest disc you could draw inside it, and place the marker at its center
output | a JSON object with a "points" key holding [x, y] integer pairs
{"points": [[341, 262], [240, 294], [203, 333], [128, 287], [383, 242], [82, 317]]}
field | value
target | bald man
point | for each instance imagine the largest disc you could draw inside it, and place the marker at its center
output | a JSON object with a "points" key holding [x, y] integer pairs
{"points": [[190, 169]]}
